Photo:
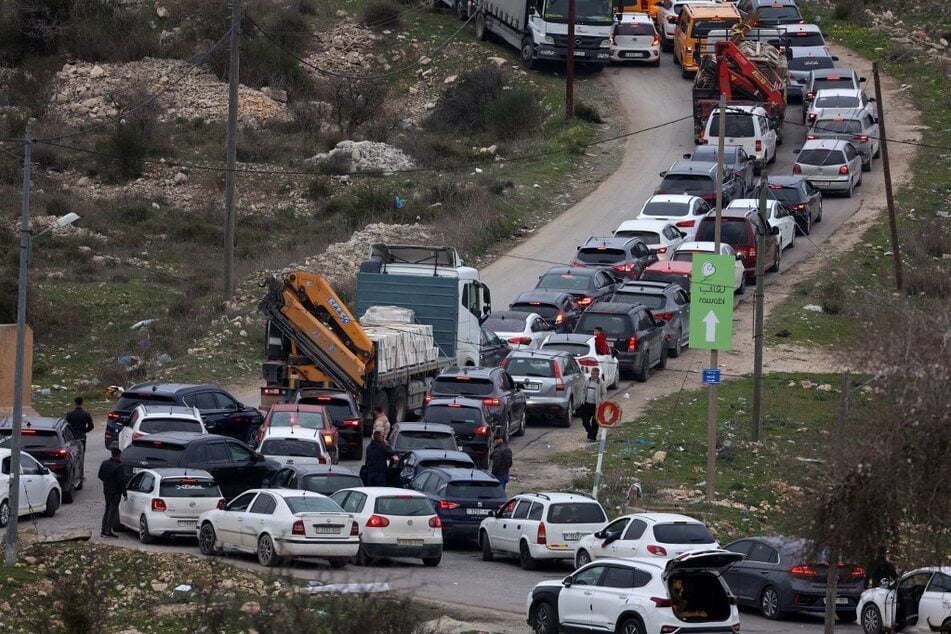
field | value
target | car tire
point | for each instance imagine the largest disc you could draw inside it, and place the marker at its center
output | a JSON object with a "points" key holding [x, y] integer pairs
{"points": [[583, 558], [769, 604], [362, 558], [267, 555], [521, 426], [631, 625], [776, 261], [525, 558], [52, 503], [742, 289], [545, 618], [481, 33], [4, 513], [645, 370], [486, 545], [569, 413], [867, 167], [432, 562], [207, 539], [871, 619], [527, 52], [851, 190], [678, 345], [397, 401], [662, 364], [617, 379], [337, 562], [807, 229], [145, 537], [68, 493]]}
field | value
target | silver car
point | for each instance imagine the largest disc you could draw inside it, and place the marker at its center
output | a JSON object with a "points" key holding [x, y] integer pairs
{"points": [[860, 129], [830, 165], [552, 380]]}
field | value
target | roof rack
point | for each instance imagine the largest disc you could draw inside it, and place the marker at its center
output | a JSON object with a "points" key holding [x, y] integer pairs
{"points": [[537, 494]]}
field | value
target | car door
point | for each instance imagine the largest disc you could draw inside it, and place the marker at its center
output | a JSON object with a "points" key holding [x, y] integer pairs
{"points": [[648, 331], [258, 520], [574, 378], [745, 168], [33, 486], [615, 593], [576, 601], [734, 573], [249, 469], [935, 605], [757, 570], [143, 498], [493, 349], [500, 530], [229, 524], [682, 302], [514, 397], [132, 493], [780, 218], [213, 456], [76, 454], [605, 547], [855, 162], [768, 133], [540, 330], [629, 544], [674, 237]]}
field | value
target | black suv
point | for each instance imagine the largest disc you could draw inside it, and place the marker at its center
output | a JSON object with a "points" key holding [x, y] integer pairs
{"points": [[493, 386], [625, 257], [667, 301], [52, 443], [235, 467], [470, 422], [639, 342], [343, 411], [800, 198], [221, 412]]}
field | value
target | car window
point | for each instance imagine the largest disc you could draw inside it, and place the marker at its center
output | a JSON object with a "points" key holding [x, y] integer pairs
{"points": [[403, 505], [521, 512], [660, 208], [224, 401], [264, 505], [644, 321], [687, 184], [616, 527], [239, 453], [588, 576], [330, 482], [570, 282], [307, 420], [616, 577], [733, 231], [635, 530], [536, 511], [529, 366], [36, 438], [419, 483], [217, 452], [481, 490], [736, 125], [576, 513], [452, 413], [242, 502], [133, 484], [413, 439], [506, 511], [575, 349], [68, 434], [613, 325], [939, 583], [204, 401], [311, 504], [763, 553], [571, 366], [505, 323], [355, 502], [683, 533], [302, 447], [156, 425], [743, 547], [147, 483]]}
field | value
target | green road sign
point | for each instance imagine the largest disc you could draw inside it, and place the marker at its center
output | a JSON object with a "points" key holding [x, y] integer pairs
{"points": [[711, 302]]}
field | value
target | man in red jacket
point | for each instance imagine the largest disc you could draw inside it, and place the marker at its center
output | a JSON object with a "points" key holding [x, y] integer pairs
{"points": [[601, 341]]}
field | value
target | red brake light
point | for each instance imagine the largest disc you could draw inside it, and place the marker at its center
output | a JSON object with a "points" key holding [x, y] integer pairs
{"points": [[811, 136], [586, 301], [541, 537], [559, 382], [620, 268], [113, 416], [657, 550], [323, 399], [492, 402], [632, 344], [435, 522], [796, 169], [377, 521], [328, 439], [354, 529], [758, 146], [664, 316], [803, 570], [809, 96], [858, 572], [751, 252], [656, 40], [298, 528], [454, 405], [559, 319], [524, 341], [671, 19], [28, 432], [588, 362], [685, 223], [58, 453], [351, 422], [661, 602], [447, 505], [661, 249], [862, 138], [188, 481], [158, 505], [136, 435], [844, 169], [482, 430], [221, 504], [427, 398]]}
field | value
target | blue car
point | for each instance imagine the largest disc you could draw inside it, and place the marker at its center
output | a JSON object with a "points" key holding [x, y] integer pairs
{"points": [[462, 498], [413, 462]]}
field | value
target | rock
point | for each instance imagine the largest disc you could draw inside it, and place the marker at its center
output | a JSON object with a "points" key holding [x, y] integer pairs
{"points": [[450, 79], [431, 105], [943, 42], [180, 178], [825, 387], [341, 13], [155, 206], [425, 61], [366, 156], [275, 93], [659, 457], [96, 71], [251, 607], [161, 11], [158, 586], [498, 61], [83, 182], [243, 333]]}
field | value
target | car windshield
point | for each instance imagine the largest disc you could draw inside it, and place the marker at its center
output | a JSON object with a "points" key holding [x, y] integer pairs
{"points": [[837, 126], [153, 452], [810, 63], [529, 366], [308, 420], [784, 194], [505, 324], [587, 11], [683, 533], [613, 325], [731, 231], [837, 101], [421, 439], [576, 513], [702, 28], [312, 504], [475, 490], [444, 462], [462, 385], [687, 184], [634, 28], [448, 414], [821, 157], [736, 125], [403, 505], [547, 311], [565, 281], [657, 208], [648, 237], [574, 349], [188, 488], [328, 483], [600, 255], [290, 447], [156, 425], [708, 154], [35, 438], [649, 300]]}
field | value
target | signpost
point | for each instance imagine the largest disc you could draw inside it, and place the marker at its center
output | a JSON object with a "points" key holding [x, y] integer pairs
{"points": [[608, 415], [711, 376], [711, 302]]}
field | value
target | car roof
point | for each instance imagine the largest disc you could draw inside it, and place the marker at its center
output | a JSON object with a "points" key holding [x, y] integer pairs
{"points": [[376, 492], [810, 51], [685, 166], [670, 266], [613, 308], [513, 314], [805, 28], [635, 17], [645, 222], [557, 497], [658, 518], [825, 144], [439, 427], [168, 411], [568, 337], [293, 433], [712, 147], [286, 493], [310, 469], [169, 388], [428, 454], [607, 241], [580, 271], [175, 437], [460, 473], [673, 198], [39, 422], [174, 472], [824, 73], [785, 180], [648, 287], [748, 108], [298, 407], [641, 563], [544, 354], [476, 371], [730, 213], [713, 10], [839, 92], [749, 203], [463, 401], [697, 245], [542, 296]]}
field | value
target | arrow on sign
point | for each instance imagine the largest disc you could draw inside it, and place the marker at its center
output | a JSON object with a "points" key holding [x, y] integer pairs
{"points": [[711, 322]]}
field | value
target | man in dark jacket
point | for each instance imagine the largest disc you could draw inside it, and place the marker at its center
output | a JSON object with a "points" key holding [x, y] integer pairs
{"points": [[113, 488], [79, 420], [378, 461], [501, 460]]}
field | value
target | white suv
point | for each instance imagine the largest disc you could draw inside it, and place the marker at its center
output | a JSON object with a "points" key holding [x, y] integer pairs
{"points": [[534, 526], [748, 127], [652, 535], [152, 419]]}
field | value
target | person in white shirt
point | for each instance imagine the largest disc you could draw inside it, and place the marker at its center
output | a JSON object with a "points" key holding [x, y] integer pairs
{"points": [[593, 395]]}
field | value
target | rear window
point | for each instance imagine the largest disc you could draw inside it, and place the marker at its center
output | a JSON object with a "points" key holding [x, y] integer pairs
{"points": [[403, 505], [339, 409], [564, 281], [613, 325], [547, 311], [702, 28], [737, 125], [475, 490], [421, 439], [821, 83], [784, 194], [574, 349], [648, 237], [446, 414], [308, 420], [462, 385], [838, 126], [442, 462], [687, 184], [507, 324], [665, 209], [651, 301], [811, 63], [780, 13], [576, 513], [188, 488], [595, 255], [526, 366], [732, 231], [635, 28], [330, 483], [821, 157], [805, 39], [708, 154], [290, 447], [312, 504], [837, 101], [156, 425], [665, 276], [35, 438], [153, 452], [129, 401], [687, 533]]}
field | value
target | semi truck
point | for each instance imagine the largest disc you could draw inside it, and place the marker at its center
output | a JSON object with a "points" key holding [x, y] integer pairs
{"points": [[539, 28], [422, 311]]}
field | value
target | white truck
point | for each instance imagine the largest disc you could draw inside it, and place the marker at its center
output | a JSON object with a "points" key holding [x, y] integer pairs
{"points": [[539, 28]]}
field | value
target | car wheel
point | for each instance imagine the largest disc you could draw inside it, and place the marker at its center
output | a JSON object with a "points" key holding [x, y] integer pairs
{"points": [[363, 558], [337, 562], [4, 513], [582, 558], [871, 621], [486, 547], [645, 370], [631, 625], [267, 556], [52, 503], [848, 193], [678, 344], [432, 562], [145, 536], [521, 426], [769, 604], [867, 167], [617, 379], [68, 493], [807, 229], [481, 32], [545, 619], [527, 55], [569, 412], [776, 261], [662, 364], [207, 539], [525, 557], [742, 289]]}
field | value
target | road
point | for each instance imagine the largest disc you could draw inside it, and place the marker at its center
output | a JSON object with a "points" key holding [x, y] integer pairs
{"points": [[651, 97]]}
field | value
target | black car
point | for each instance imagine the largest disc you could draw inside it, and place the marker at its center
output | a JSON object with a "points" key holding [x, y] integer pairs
{"points": [[415, 461], [799, 197], [235, 467], [471, 422], [666, 301], [624, 257], [636, 337], [52, 443], [585, 285], [221, 412], [346, 417], [735, 160], [319, 478], [496, 389], [462, 498], [558, 308], [492, 348], [698, 178]]}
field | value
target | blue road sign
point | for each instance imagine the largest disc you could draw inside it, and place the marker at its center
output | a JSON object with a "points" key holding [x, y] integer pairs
{"points": [[711, 375]]}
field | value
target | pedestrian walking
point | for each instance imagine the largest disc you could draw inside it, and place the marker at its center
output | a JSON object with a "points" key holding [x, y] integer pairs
{"points": [[79, 420], [501, 460], [378, 460], [113, 488], [601, 341], [593, 395], [381, 422]]}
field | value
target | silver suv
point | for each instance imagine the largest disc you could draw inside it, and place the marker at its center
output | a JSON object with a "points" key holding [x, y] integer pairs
{"points": [[551, 379], [860, 129]]}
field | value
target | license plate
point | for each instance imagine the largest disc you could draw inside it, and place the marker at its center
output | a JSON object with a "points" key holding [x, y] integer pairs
{"points": [[478, 511], [572, 537], [409, 542], [820, 183], [580, 54], [532, 387], [636, 55], [326, 530], [838, 601], [189, 523]]}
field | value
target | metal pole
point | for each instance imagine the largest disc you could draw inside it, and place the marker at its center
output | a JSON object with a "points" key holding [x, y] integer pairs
{"points": [[231, 147], [602, 436], [15, 437], [758, 314], [713, 390], [570, 65], [886, 169]]}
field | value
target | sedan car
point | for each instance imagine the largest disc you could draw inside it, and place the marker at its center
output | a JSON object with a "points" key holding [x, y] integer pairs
{"points": [[552, 380], [581, 346], [920, 601], [735, 159], [412, 463], [661, 236], [799, 197], [683, 210], [39, 490], [667, 301], [559, 308], [861, 129], [635, 39], [830, 164], [828, 78], [462, 498], [167, 502], [523, 331], [588, 285], [780, 575], [394, 523], [838, 102], [660, 536], [319, 478], [776, 215], [279, 523]]}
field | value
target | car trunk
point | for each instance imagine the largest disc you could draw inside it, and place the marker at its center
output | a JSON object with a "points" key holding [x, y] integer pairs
{"points": [[566, 523], [408, 518], [475, 500], [707, 598], [326, 526], [634, 36], [187, 498], [536, 376], [821, 164]]}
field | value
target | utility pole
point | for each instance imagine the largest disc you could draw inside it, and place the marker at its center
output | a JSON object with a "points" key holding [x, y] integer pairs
{"points": [[570, 65], [758, 312], [714, 360], [231, 147], [832, 574], [886, 169], [15, 435]]}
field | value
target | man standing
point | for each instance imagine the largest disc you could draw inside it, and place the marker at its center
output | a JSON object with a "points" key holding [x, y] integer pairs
{"points": [[601, 341], [593, 394], [79, 420], [381, 422], [113, 488], [378, 461], [501, 460]]}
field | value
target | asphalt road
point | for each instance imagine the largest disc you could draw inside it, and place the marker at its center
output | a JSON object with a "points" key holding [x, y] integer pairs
{"points": [[651, 96]]}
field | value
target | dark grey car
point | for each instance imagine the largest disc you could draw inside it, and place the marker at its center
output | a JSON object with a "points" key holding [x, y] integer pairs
{"points": [[552, 380], [666, 301], [735, 160], [638, 340], [558, 308]]}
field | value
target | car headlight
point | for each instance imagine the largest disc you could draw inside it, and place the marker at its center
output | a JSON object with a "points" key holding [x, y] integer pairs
{"points": [[548, 40], [605, 43]]}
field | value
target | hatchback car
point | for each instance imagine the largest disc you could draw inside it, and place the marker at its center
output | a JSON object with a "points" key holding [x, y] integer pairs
{"points": [[582, 347], [471, 422], [635, 39], [343, 411], [302, 418], [319, 478], [802, 61], [540, 527], [697, 178], [780, 575], [738, 229], [667, 301], [39, 489], [802, 35], [622, 256], [658, 536], [770, 12], [462, 498], [405, 437], [151, 419], [290, 445], [587, 285], [683, 210], [393, 523], [522, 330], [559, 308], [838, 102], [830, 165], [412, 463], [919, 601], [552, 380], [859, 129], [799, 197], [51, 441], [687, 251], [167, 502], [660, 236], [776, 215], [639, 595], [750, 128], [828, 78], [275, 524], [735, 159], [637, 338], [669, 272], [493, 386]]}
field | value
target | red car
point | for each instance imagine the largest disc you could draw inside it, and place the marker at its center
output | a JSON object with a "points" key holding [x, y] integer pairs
{"points": [[304, 417], [669, 271]]}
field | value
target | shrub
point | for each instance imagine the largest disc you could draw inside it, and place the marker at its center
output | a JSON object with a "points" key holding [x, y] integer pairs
{"points": [[464, 106], [256, 145], [577, 139], [317, 188], [587, 112], [308, 115], [381, 14], [105, 31], [930, 281], [122, 153], [352, 101], [431, 150], [848, 10], [515, 113]]}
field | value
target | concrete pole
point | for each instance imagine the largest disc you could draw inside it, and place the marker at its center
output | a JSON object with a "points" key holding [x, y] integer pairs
{"points": [[231, 147], [570, 65], [713, 390], [887, 172], [758, 314]]}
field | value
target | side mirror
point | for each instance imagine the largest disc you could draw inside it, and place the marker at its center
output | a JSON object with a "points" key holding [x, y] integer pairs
{"points": [[687, 155], [44, 470], [566, 581], [663, 174], [862, 80], [599, 534], [739, 256], [774, 231]]}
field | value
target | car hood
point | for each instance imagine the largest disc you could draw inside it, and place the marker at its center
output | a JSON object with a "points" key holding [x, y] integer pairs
{"points": [[714, 560]]}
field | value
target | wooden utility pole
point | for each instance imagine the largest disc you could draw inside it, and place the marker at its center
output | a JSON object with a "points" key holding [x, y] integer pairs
{"points": [[886, 169], [231, 147], [758, 311], [832, 574], [570, 65]]}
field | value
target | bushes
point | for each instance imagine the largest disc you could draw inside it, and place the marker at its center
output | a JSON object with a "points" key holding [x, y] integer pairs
{"points": [[515, 113], [353, 102], [104, 31], [586, 112], [464, 106], [381, 14]]}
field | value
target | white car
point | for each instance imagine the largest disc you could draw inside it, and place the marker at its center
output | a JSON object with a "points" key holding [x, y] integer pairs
{"points": [[581, 346], [167, 502], [659, 536], [802, 34], [294, 445], [661, 236], [830, 165], [279, 523], [839, 102], [687, 250], [394, 523], [668, 12], [635, 39], [639, 596], [152, 419], [39, 490], [683, 210], [523, 331], [776, 214], [746, 126], [920, 601]]}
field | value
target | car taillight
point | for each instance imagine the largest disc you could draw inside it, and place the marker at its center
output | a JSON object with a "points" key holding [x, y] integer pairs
{"points": [[656, 40], [58, 453], [158, 504], [588, 362], [394, 459], [862, 138], [810, 137], [800, 206], [632, 344], [654, 549], [559, 319], [113, 415], [758, 146], [298, 528], [660, 250], [221, 504], [351, 422], [710, 196], [482, 430], [803, 570], [435, 522], [620, 268], [492, 402], [661, 602], [522, 341], [796, 169], [585, 301], [844, 169], [328, 439], [136, 435], [427, 398], [354, 529], [664, 316], [751, 252], [377, 521], [671, 19], [685, 223], [446, 505], [321, 460], [809, 96], [559, 382], [858, 572], [811, 116], [541, 536]]}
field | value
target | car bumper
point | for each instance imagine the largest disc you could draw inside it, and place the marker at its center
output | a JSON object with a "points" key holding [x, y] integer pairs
{"points": [[350, 443], [636, 55], [546, 407], [399, 550], [629, 360], [814, 601], [830, 184], [549, 51], [316, 548], [163, 525], [554, 551]]}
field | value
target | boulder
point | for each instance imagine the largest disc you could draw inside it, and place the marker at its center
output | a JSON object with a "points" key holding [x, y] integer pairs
{"points": [[366, 156]]}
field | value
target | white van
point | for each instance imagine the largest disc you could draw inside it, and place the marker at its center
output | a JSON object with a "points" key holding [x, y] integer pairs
{"points": [[746, 126]]}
